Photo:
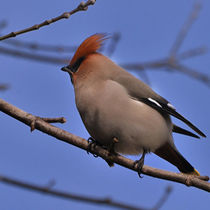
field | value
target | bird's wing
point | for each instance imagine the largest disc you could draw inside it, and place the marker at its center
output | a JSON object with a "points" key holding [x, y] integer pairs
{"points": [[144, 93], [169, 109]]}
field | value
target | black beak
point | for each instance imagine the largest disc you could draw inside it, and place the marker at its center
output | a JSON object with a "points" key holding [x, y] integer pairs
{"points": [[67, 69]]}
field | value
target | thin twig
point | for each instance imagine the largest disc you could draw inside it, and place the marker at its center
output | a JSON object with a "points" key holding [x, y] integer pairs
{"points": [[48, 120], [81, 7], [39, 46], [196, 181], [191, 72], [163, 199], [192, 53], [33, 56], [115, 38], [69, 196], [185, 28]]}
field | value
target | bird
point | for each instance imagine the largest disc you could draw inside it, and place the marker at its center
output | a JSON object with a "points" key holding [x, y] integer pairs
{"points": [[121, 112]]}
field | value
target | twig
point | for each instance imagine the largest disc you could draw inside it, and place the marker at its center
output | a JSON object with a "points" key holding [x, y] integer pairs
{"points": [[69, 196], [48, 120], [69, 138], [32, 56], [115, 38], [39, 46], [185, 28], [190, 72], [81, 7], [163, 199], [192, 53]]}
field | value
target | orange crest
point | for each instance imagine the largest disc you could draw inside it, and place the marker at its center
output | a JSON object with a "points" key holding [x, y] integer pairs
{"points": [[90, 45]]}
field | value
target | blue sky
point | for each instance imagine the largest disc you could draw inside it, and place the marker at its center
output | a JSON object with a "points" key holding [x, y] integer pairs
{"points": [[148, 30]]}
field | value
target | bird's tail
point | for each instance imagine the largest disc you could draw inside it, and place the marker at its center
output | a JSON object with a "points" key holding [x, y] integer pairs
{"points": [[170, 154]]}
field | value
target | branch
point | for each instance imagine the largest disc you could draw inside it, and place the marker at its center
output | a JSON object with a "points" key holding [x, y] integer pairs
{"points": [[174, 63], [191, 72], [81, 7], [185, 28], [32, 56], [69, 138], [48, 120], [38, 46], [71, 196], [115, 38], [163, 199]]}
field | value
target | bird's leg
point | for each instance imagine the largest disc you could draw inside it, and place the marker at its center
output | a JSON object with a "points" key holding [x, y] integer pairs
{"points": [[140, 163], [111, 150], [112, 145]]}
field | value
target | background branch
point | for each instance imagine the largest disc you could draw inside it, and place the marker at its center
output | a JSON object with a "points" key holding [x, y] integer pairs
{"points": [[39, 46], [185, 28], [69, 138], [81, 198], [81, 7]]}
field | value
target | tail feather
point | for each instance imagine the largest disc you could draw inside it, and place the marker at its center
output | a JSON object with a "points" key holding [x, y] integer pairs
{"points": [[170, 154]]}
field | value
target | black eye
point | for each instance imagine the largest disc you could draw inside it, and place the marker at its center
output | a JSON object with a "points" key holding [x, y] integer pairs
{"points": [[76, 65]]}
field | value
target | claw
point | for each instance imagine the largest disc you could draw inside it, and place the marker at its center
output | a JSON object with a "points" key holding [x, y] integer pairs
{"points": [[92, 143], [140, 163]]}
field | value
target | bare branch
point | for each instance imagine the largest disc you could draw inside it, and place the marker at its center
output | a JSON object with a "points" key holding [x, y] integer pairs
{"points": [[192, 53], [185, 29], [81, 7], [32, 56], [39, 46], [163, 199], [196, 181], [191, 72], [69, 196], [115, 38], [48, 120]]}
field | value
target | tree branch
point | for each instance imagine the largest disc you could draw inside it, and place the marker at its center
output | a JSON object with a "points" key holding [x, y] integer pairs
{"points": [[81, 7], [185, 28], [39, 46], [32, 56], [69, 138], [81, 198]]}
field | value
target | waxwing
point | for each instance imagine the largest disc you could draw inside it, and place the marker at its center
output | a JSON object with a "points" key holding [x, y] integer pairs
{"points": [[120, 111]]}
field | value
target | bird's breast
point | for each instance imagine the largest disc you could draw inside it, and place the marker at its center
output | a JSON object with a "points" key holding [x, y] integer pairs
{"points": [[108, 111]]}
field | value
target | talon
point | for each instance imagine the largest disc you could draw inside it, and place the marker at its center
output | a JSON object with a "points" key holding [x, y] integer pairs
{"points": [[140, 163], [112, 151], [91, 143]]}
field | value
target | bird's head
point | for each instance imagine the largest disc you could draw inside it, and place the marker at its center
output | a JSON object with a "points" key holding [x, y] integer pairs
{"points": [[89, 47]]}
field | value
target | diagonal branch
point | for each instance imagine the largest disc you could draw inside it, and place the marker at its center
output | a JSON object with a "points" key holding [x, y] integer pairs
{"points": [[190, 72], [81, 7], [71, 196], [69, 138], [39, 46], [32, 56]]}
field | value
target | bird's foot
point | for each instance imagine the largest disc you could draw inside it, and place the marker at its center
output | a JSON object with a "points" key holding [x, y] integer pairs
{"points": [[111, 150], [92, 143], [139, 164]]}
